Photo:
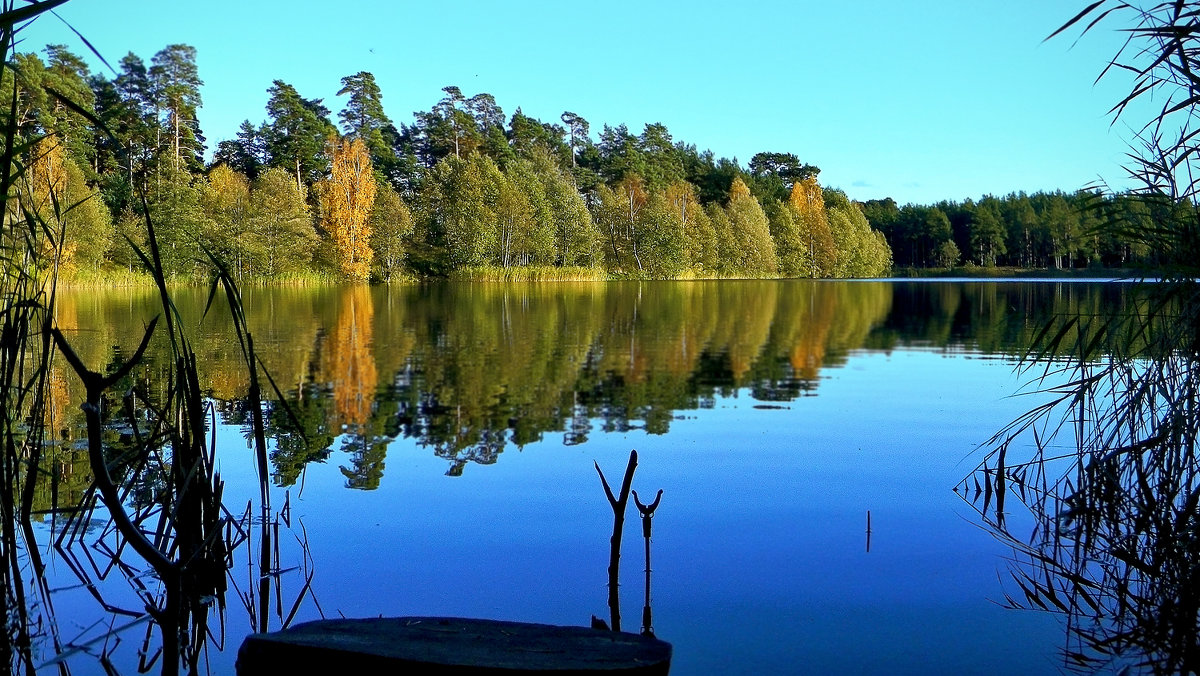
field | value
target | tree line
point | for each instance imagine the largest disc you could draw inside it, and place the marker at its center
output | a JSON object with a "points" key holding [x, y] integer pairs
{"points": [[1041, 230], [462, 189]]}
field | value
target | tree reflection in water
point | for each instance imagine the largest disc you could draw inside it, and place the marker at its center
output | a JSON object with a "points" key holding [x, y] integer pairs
{"points": [[467, 371], [166, 528]]}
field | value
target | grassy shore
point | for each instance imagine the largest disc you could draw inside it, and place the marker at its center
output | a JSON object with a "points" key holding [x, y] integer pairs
{"points": [[532, 273], [977, 272], [122, 277]]}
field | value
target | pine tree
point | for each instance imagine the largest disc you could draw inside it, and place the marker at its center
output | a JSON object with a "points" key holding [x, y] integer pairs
{"points": [[175, 81], [363, 117], [295, 138]]}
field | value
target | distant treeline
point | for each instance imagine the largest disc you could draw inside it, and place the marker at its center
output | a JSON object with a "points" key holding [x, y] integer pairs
{"points": [[1043, 230], [462, 190]]}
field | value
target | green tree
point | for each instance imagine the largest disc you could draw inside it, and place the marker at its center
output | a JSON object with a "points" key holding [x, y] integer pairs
{"points": [[577, 131], [619, 155], [525, 215], [127, 106], [57, 190], [575, 234], [699, 236], [937, 232], [774, 174], [661, 161], [527, 136], [660, 238], [644, 231], [455, 219], [281, 237], [246, 154], [295, 136], [129, 227], [453, 124], [87, 220], [363, 118], [790, 248], [726, 242], [1021, 219], [175, 81], [1062, 226], [391, 228], [754, 251], [947, 255], [515, 219], [29, 100], [987, 233], [179, 220], [618, 211], [225, 199], [68, 75], [861, 252]]}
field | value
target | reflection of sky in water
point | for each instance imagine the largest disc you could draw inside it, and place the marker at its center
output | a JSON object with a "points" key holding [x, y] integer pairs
{"points": [[759, 549]]}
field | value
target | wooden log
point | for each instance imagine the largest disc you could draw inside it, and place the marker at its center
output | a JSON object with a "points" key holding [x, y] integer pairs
{"points": [[450, 646]]}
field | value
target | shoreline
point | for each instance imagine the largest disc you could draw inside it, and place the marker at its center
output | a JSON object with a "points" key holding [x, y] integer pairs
{"points": [[137, 280]]}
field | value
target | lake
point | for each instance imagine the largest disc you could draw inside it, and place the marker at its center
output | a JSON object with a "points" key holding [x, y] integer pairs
{"points": [[437, 451]]}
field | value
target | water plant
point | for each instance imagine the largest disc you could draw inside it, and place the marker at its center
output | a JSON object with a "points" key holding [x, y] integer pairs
{"points": [[158, 494], [1111, 484]]}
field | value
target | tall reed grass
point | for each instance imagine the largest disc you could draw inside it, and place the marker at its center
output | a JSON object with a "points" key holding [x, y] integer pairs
{"points": [[176, 525], [1108, 469], [531, 273]]}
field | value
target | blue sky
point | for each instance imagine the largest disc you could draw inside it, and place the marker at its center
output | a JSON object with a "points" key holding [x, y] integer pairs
{"points": [[920, 101]]}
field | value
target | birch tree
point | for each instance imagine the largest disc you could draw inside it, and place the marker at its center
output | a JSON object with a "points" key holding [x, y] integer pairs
{"points": [[346, 200]]}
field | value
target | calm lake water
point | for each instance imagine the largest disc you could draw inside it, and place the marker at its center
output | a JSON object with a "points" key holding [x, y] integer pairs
{"points": [[450, 431]]}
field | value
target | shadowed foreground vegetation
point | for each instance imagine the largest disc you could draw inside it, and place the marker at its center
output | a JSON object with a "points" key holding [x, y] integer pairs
{"points": [[128, 477], [1107, 473]]}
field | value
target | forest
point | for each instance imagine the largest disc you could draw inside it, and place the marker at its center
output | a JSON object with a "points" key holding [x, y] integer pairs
{"points": [[465, 191], [461, 191], [1043, 230]]}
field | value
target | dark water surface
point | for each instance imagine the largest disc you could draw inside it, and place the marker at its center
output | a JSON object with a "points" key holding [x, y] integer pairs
{"points": [[446, 464]]}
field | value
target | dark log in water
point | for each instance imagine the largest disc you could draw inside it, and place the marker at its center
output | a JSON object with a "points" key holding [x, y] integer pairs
{"points": [[443, 645]]}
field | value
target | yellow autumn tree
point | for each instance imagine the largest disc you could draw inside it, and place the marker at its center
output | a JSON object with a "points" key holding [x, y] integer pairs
{"points": [[57, 191], [808, 201], [346, 200], [354, 376], [738, 189], [47, 183], [750, 248], [46, 172]]}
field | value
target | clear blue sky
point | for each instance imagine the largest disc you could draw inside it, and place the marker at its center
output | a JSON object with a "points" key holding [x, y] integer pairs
{"points": [[921, 100]]}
